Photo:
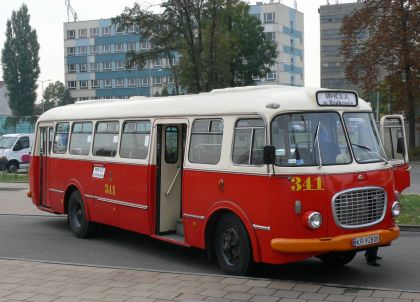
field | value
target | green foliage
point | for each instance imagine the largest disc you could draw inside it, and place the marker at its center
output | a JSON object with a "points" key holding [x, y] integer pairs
{"points": [[217, 42], [55, 95], [410, 210], [20, 60]]}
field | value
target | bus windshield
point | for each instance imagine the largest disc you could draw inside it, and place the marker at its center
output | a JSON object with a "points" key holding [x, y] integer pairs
{"points": [[364, 137], [308, 139], [6, 142]]}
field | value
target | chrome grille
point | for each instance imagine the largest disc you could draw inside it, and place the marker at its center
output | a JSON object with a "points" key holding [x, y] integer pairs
{"points": [[359, 207]]}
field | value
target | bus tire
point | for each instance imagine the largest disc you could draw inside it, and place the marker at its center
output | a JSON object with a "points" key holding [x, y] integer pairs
{"points": [[232, 244], [81, 227], [337, 258]]}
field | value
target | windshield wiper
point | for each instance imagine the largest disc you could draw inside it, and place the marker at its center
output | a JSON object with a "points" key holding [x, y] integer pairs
{"points": [[369, 149], [316, 140]]}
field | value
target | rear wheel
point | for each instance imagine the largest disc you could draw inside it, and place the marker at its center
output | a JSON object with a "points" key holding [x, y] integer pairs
{"points": [[337, 258], [232, 244], [81, 227]]}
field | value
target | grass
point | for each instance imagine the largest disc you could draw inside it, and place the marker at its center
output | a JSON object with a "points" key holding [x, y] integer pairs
{"points": [[410, 210], [13, 177]]}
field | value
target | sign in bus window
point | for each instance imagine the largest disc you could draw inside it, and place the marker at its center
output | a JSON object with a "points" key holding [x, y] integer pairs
{"points": [[135, 139]]}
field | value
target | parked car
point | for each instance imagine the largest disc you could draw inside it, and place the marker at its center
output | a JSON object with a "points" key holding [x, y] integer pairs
{"points": [[14, 151]]}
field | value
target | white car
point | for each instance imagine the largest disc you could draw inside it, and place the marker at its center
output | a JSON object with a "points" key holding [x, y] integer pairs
{"points": [[14, 151]]}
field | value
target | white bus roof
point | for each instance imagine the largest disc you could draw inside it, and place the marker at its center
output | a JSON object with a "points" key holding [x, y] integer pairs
{"points": [[240, 100]]}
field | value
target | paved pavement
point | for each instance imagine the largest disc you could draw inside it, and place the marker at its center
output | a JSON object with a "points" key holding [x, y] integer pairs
{"points": [[42, 281], [36, 281]]}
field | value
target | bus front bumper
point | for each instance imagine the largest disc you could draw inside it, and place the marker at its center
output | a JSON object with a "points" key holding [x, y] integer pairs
{"points": [[339, 243]]}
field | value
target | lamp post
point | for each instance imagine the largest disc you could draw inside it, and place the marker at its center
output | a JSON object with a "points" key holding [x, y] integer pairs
{"points": [[42, 92]]}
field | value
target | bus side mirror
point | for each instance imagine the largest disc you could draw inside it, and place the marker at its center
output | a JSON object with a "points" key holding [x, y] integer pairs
{"points": [[400, 145], [269, 155]]}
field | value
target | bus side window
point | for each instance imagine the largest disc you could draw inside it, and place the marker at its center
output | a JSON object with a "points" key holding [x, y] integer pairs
{"points": [[61, 138], [206, 141], [81, 138], [105, 142], [249, 142], [135, 139]]}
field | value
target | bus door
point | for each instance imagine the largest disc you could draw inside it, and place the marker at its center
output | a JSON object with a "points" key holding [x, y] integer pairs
{"points": [[395, 144], [170, 147], [45, 143]]}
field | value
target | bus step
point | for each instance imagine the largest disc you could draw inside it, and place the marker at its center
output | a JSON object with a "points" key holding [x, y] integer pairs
{"points": [[179, 227]]}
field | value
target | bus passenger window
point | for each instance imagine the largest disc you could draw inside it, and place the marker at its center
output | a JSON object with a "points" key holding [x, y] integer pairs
{"points": [[249, 142], [81, 138], [171, 145], [61, 137], [135, 139], [206, 141], [105, 142]]}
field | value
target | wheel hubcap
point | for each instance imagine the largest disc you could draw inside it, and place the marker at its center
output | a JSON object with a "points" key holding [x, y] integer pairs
{"points": [[78, 215], [230, 246]]}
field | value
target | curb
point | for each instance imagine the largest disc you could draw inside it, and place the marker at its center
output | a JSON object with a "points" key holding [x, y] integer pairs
{"points": [[409, 228]]}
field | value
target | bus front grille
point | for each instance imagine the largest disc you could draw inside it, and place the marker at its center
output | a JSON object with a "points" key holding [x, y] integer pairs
{"points": [[359, 207]]}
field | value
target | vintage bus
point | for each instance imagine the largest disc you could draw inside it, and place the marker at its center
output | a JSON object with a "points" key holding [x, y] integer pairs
{"points": [[270, 174]]}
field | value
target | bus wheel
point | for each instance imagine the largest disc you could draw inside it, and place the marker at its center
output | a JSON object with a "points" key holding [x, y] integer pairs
{"points": [[233, 248], [337, 258], [77, 217]]}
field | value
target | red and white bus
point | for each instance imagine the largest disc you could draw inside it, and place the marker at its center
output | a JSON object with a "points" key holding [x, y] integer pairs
{"points": [[256, 174]]}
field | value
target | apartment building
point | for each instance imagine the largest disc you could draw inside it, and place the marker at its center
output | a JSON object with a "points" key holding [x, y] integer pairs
{"points": [[95, 68], [284, 25]]}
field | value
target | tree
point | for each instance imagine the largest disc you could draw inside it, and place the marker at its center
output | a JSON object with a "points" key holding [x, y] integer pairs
{"points": [[217, 42], [55, 95], [20, 61], [382, 43]]}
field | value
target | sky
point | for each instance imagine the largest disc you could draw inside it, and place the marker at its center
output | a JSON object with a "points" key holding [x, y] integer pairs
{"points": [[48, 16]]}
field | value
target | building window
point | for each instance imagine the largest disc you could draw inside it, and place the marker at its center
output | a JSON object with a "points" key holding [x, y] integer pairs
{"points": [[106, 31], [272, 76], [108, 83], [83, 84], [94, 66], [270, 36], [94, 48], [144, 82], [105, 141], [71, 84], [292, 44], [292, 63], [71, 67], [82, 50], [144, 44], [71, 34], [83, 67], [132, 82], [157, 62], [172, 61], [81, 138], [83, 33], [157, 80], [255, 77], [71, 51], [119, 65], [291, 27], [132, 29], [119, 30], [94, 31], [107, 65], [249, 142], [119, 47], [119, 83], [206, 141], [135, 139], [106, 48], [256, 16], [131, 46], [94, 83], [269, 18], [170, 80]]}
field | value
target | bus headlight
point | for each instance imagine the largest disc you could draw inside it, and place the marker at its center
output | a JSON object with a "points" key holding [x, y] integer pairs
{"points": [[314, 220], [396, 209]]}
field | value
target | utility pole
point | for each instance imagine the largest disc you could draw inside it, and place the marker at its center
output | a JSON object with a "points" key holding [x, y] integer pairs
{"points": [[42, 91]]}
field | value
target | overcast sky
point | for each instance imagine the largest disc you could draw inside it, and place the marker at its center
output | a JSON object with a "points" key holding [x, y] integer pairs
{"points": [[47, 17]]}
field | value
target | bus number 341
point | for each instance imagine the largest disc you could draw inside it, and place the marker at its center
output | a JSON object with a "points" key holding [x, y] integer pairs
{"points": [[308, 184], [110, 189]]}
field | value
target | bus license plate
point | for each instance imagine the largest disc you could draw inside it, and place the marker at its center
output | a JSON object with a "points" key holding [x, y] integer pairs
{"points": [[367, 240]]}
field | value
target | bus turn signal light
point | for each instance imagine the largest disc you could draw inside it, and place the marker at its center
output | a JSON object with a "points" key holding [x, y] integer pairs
{"points": [[29, 194]]}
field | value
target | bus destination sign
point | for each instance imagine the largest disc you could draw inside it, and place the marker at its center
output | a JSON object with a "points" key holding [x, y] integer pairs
{"points": [[336, 98]]}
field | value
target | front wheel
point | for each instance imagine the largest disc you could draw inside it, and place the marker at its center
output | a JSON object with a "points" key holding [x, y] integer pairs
{"points": [[337, 258], [232, 244], [77, 217]]}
